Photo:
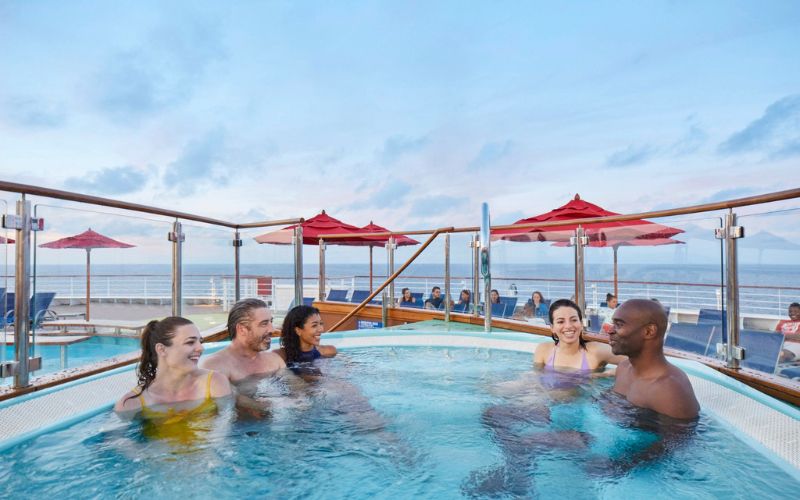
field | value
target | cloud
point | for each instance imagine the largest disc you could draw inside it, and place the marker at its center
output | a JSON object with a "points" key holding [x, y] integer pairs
{"points": [[434, 206], [777, 131], [491, 153], [392, 194], [200, 162], [690, 143], [632, 155], [398, 146], [112, 180], [730, 194], [28, 112], [162, 73]]}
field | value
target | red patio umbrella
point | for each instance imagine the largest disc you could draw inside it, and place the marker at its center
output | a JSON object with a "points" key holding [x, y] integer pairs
{"points": [[321, 223], [636, 242], [86, 240], [374, 241], [581, 209], [6, 241]]}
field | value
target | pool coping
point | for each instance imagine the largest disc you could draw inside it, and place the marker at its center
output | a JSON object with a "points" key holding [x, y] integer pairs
{"points": [[763, 423]]}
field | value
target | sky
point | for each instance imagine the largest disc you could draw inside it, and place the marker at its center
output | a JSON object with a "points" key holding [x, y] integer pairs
{"points": [[409, 114]]}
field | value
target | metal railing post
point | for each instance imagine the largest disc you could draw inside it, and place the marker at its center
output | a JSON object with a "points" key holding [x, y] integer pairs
{"points": [[321, 269], [390, 246], [177, 237], [447, 277], [579, 240], [22, 289], [731, 233], [298, 265], [486, 268], [237, 245], [476, 273]]}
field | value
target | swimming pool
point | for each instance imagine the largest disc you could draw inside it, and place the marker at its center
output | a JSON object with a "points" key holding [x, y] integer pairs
{"points": [[407, 419], [82, 353]]}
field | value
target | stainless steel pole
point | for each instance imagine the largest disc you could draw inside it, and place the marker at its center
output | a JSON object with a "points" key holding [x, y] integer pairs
{"points": [[447, 277], [237, 245], [321, 269], [732, 233], [298, 265], [476, 273], [177, 237], [580, 285], [390, 263], [22, 290], [486, 267]]}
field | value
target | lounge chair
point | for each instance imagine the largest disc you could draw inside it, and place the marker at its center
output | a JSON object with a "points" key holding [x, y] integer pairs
{"points": [[692, 338], [499, 310], [38, 309], [511, 305], [710, 316], [337, 296], [761, 349], [417, 296], [461, 308]]}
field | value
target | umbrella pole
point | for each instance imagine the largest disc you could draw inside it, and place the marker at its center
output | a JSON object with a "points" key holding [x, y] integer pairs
{"points": [[370, 268], [88, 280], [616, 283]]}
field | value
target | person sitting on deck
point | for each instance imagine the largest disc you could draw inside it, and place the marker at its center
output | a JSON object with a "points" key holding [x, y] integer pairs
{"points": [[790, 328], [406, 299], [464, 303], [435, 301], [535, 307], [646, 379], [170, 382], [607, 312], [494, 296], [250, 328], [300, 337]]}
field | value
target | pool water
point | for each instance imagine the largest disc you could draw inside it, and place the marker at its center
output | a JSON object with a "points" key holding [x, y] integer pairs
{"points": [[81, 353], [407, 422]]}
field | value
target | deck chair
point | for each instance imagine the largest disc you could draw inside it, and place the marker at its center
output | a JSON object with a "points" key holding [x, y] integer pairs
{"points": [[413, 305], [692, 338], [461, 308], [761, 349], [710, 316], [417, 296], [511, 305], [499, 310], [595, 323], [307, 301], [359, 296], [337, 295], [39, 308]]}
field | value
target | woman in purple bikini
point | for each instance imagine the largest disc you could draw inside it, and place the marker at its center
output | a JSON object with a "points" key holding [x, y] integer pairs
{"points": [[570, 352]]}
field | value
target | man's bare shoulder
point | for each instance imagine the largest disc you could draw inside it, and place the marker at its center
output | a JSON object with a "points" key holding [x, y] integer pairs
{"points": [[673, 395], [217, 361], [273, 358]]}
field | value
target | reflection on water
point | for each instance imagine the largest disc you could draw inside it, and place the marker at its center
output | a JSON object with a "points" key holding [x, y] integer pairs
{"points": [[406, 422]]}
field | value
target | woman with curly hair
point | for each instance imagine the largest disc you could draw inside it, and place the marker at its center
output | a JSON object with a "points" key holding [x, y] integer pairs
{"points": [[300, 336]]}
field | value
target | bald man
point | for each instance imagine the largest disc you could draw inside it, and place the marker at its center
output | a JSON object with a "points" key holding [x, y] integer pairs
{"points": [[647, 379]]}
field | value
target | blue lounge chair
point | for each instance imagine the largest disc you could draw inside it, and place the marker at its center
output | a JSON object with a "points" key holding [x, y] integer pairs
{"points": [[461, 308], [498, 310], [39, 308], [413, 305], [595, 323], [511, 305], [761, 349], [337, 295], [692, 338], [359, 296], [417, 296], [307, 301], [710, 316]]}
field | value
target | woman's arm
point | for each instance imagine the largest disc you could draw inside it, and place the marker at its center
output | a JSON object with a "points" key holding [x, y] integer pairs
{"points": [[327, 351], [220, 385], [541, 353]]}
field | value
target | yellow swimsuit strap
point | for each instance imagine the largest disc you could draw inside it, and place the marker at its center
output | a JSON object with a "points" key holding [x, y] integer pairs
{"points": [[208, 389]]}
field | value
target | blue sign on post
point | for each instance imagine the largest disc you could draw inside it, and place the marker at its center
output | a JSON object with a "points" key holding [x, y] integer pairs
{"points": [[363, 324]]}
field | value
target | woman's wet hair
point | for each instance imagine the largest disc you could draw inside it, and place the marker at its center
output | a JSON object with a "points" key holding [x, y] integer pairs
{"points": [[156, 332], [290, 341], [566, 303]]}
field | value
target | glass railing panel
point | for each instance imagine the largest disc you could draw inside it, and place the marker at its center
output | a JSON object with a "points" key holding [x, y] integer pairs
{"points": [[209, 288], [267, 270], [769, 285], [461, 272], [128, 259], [7, 249], [425, 273], [683, 272], [535, 262]]}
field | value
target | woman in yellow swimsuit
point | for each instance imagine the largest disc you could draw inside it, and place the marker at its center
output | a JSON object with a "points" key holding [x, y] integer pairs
{"points": [[170, 383]]}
